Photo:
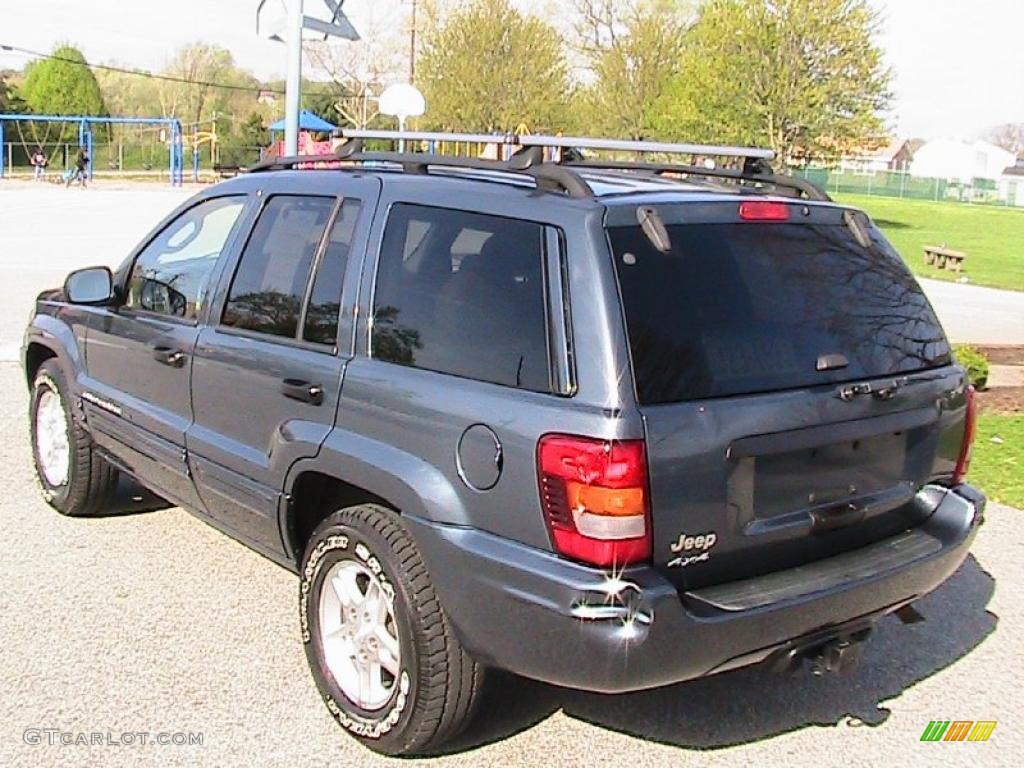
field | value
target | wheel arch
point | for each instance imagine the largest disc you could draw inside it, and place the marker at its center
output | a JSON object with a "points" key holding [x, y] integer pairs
{"points": [[352, 469]]}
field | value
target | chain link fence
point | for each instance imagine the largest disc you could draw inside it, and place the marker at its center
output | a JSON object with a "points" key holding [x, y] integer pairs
{"points": [[839, 181]]}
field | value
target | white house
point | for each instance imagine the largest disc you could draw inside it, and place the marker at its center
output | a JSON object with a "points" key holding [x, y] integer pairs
{"points": [[1011, 184], [961, 161]]}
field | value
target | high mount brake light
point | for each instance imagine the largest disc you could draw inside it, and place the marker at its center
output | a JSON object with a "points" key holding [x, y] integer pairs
{"points": [[594, 495], [763, 210], [963, 462]]}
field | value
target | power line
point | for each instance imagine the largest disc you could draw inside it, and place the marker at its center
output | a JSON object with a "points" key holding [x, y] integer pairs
{"points": [[150, 75]]}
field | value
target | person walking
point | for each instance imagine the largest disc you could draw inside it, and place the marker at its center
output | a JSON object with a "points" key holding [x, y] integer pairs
{"points": [[81, 163], [39, 163]]}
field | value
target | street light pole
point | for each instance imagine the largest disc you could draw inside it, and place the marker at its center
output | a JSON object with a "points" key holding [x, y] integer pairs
{"points": [[412, 46], [293, 84]]}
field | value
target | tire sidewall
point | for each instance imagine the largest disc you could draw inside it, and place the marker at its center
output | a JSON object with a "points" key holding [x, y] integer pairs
{"points": [[333, 542], [49, 378]]}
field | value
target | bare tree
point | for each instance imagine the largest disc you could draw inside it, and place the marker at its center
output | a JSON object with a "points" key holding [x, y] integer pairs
{"points": [[359, 70], [1009, 136]]}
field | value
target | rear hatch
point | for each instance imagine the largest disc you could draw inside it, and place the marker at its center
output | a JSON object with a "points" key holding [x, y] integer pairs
{"points": [[796, 386]]}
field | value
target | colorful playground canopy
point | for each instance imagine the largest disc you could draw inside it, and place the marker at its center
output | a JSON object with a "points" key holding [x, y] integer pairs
{"points": [[307, 122]]}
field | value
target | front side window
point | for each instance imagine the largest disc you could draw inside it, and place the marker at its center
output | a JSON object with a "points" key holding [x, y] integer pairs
{"points": [[463, 293], [321, 323], [171, 275], [270, 281]]}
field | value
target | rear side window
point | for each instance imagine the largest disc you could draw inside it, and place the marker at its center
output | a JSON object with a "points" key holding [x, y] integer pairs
{"points": [[270, 282], [738, 309], [463, 293]]}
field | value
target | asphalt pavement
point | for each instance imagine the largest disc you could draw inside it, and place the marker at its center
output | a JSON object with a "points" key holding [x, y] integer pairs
{"points": [[147, 621]]}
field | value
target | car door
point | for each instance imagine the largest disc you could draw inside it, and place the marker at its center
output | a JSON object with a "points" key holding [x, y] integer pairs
{"points": [[267, 370], [139, 353]]}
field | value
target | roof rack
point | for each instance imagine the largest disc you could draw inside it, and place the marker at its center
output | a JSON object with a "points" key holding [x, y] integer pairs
{"points": [[529, 155], [755, 172]]}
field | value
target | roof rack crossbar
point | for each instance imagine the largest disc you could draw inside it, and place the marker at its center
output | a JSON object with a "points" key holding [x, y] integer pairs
{"points": [[811, 190], [342, 152], [566, 142]]}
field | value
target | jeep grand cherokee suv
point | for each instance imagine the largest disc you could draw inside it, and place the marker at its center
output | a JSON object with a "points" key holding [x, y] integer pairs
{"points": [[606, 425]]}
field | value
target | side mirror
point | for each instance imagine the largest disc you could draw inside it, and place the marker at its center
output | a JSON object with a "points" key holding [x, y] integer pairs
{"points": [[92, 285]]}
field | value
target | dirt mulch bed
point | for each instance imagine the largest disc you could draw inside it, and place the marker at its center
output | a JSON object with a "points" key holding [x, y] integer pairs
{"points": [[1003, 355], [1002, 399]]}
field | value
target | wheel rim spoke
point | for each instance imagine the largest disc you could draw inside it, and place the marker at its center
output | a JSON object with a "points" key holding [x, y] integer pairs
{"points": [[53, 444]]}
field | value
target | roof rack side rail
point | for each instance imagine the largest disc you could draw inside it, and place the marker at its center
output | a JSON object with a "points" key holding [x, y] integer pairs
{"points": [[479, 138], [547, 176], [811, 190]]}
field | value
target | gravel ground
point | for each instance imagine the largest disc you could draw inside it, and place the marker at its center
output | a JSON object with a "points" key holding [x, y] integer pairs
{"points": [[151, 621]]}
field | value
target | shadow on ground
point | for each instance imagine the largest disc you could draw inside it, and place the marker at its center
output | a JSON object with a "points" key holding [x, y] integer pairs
{"points": [[751, 704], [130, 498]]}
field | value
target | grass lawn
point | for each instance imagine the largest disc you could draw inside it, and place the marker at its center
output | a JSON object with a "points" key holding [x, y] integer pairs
{"points": [[993, 237], [998, 468]]}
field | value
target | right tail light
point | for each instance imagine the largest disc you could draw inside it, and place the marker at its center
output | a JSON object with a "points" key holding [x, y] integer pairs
{"points": [[963, 462]]}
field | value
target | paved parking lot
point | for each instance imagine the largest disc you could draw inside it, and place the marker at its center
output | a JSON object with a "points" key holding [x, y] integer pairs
{"points": [[147, 620]]}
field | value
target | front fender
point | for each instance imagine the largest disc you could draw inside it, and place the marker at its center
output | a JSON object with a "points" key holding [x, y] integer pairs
{"points": [[57, 336]]}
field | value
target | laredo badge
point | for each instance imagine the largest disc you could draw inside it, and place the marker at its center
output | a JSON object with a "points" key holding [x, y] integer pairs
{"points": [[692, 549]]}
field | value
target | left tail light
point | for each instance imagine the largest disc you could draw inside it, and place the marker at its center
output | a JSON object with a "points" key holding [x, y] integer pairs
{"points": [[963, 462], [594, 495]]}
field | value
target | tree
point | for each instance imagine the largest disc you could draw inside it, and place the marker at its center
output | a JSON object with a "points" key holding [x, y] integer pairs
{"points": [[488, 67], [633, 59], [803, 77], [200, 64], [63, 85], [1009, 136]]}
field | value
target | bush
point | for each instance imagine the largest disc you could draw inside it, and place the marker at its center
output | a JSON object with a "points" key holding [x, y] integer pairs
{"points": [[975, 362]]}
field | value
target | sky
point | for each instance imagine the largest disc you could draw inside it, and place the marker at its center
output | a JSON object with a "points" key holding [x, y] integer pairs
{"points": [[958, 64]]}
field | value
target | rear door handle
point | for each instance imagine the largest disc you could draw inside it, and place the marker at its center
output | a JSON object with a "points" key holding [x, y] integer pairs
{"points": [[303, 391], [169, 356], [837, 516]]}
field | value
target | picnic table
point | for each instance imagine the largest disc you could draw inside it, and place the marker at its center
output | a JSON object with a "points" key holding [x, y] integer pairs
{"points": [[944, 258]]}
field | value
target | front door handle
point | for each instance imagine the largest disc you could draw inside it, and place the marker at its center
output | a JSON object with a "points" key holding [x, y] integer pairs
{"points": [[169, 356], [303, 391]]}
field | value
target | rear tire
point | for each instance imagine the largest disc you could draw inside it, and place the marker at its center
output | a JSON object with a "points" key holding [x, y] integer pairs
{"points": [[390, 670], [73, 478]]}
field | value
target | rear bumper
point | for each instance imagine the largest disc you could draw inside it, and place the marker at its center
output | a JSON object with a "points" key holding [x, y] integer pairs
{"points": [[537, 615]]}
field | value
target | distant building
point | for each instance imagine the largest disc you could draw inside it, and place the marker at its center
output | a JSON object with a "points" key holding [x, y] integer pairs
{"points": [[1011, 184], [961, 161], [267, 97], [894, 156]]}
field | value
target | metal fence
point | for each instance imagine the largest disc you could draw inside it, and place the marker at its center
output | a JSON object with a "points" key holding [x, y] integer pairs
{"points": [[141, 159], [839, 181]]}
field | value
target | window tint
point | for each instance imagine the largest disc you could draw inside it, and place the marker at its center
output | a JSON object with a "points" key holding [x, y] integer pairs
{"points": [[270, 282], [321, 323], [743, 308], [171, 275], [463, 293]]}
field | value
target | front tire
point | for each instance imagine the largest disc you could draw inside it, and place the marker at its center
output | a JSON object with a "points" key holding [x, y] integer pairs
{"points": [[74, 479], [380, 647]]}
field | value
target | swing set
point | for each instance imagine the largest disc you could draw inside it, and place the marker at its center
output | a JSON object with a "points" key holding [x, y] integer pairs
{"points": [[85, 123]]}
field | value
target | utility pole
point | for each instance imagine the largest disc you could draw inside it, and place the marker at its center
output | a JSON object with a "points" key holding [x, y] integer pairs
{"points": [[293, 84], [412, 46]]}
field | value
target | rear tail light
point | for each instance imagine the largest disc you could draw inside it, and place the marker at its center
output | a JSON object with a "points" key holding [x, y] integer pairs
{"points": [[963, 462], [763, 210], [594, 494]]}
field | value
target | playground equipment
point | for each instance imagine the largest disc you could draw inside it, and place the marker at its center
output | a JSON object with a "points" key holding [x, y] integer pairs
{"points": [[85, 123]]}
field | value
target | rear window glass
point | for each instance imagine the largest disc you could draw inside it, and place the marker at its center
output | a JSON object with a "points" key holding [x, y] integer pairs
{"points": [[737, 309]]}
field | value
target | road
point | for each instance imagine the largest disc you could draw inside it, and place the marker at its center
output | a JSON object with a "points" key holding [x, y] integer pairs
{"points": [[45, 231], [147, 620]]}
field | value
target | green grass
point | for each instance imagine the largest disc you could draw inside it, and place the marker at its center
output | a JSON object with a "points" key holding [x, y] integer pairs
{"points": [[998, 468], [993, 237]]}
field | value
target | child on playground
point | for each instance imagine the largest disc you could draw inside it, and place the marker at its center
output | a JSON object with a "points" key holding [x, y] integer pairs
{"points": [[81, 163], [39, 163]]}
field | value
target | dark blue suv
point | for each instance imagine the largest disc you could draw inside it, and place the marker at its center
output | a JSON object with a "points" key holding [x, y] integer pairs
{"points": [[607, 424]]}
